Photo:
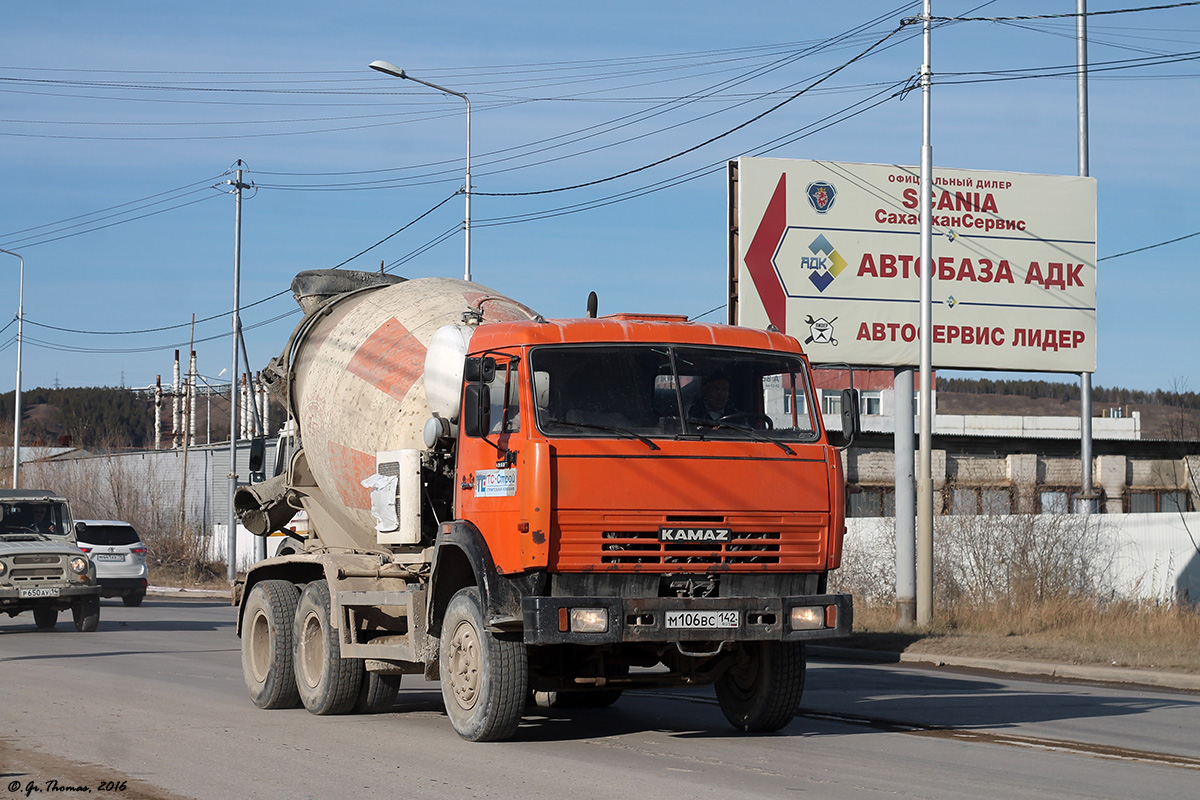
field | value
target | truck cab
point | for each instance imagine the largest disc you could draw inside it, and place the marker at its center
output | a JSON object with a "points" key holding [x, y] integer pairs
{"points": [[41, 568]]}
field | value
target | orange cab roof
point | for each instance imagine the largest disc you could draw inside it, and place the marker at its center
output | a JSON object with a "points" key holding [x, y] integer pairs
{"points": [[628, 328]]}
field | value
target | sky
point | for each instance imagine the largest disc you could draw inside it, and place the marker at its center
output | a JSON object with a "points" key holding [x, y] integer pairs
{"points": [[123, 121]]}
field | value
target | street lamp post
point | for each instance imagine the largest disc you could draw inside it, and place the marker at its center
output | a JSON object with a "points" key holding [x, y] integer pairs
{"points": [[16, 470], [391, 69]]}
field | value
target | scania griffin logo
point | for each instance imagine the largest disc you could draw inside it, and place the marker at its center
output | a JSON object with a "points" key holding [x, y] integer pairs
{"points": [[821, 195], [695, 534]]}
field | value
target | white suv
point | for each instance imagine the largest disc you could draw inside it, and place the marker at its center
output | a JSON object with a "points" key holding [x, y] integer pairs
{"points": [[119, 555]]}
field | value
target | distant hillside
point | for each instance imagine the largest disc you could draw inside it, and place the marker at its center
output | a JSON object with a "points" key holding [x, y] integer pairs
{"points": [[101, 418], [1052, 390], [1158, 421]]}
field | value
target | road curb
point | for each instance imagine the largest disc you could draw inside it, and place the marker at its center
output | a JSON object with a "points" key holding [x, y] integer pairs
{"points": [[1139, 677], [177, 591]]}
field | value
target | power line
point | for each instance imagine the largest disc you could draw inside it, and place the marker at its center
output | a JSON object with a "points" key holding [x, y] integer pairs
{"points": [[1148, 247], [243, 306], [706, 142], [1066, 15]]}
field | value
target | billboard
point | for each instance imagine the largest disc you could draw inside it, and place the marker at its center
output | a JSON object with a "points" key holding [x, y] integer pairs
{"points": [[830, 253]]}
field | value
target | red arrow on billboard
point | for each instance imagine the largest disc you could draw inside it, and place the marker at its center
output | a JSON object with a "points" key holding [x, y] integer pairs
{"points": [[761, 252]]}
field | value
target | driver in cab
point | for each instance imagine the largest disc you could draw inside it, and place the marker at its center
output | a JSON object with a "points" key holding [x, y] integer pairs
{"points": [[713, 401]]}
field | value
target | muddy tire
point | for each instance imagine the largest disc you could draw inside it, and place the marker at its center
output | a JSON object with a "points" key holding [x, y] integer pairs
{"points": [[484, 675], [45, 618], [760, 692], [328, 683], [86, 611], [267, 621], [377, 695]]}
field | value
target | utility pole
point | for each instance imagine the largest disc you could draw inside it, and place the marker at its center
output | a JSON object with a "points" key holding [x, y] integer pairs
{"points": [[925, 470], [1087, 502], [231, 540], [16, 470]]}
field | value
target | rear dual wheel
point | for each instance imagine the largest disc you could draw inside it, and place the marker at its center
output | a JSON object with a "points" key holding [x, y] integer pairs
{"points": [[327, 682], [290, 655], [268, 618]]}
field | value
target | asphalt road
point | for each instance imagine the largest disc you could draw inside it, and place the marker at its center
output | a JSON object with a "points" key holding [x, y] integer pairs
{"points": [[155, 699]]}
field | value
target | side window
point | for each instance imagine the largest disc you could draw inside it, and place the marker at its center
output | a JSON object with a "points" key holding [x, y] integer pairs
{"points": [[505, 393]]}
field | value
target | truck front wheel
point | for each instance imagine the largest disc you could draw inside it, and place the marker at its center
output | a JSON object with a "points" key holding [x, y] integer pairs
{"points": [[328, 683], [268, 618], [86, 611], [45, 618], [484, 675], [760, 692]]}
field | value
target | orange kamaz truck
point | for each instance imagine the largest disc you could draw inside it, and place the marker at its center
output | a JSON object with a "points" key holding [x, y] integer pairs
{"points": [[532, 509]]}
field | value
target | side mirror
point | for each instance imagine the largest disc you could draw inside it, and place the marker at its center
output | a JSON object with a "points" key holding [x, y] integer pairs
{"points": [[851, 424], [477, 408], [480, 369], [258, 449]]}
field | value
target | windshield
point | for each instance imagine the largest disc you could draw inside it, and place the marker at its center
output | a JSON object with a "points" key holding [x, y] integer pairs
{"points": [[672, 391], [32, 517]]}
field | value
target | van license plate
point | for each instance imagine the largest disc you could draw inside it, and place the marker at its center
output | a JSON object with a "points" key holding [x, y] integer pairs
{"points": [[53, 592], [702, 619]]}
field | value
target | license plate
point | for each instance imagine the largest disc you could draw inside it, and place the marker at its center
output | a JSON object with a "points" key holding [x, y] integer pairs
{"points": [[38, 592], [109, 557], [702, 619]]}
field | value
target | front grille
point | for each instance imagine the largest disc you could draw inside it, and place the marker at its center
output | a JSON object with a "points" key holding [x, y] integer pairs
{"points": [[624, 542], [643, 547], [38, 574], [37, 567], [37, 558]]}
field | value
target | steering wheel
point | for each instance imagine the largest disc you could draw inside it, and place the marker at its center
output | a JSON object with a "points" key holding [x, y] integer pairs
{"points": [[749, 416]]}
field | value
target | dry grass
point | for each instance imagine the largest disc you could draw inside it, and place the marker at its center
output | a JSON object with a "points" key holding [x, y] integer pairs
{"points": [[1034, 588], [1072, 631], [211, 576]]}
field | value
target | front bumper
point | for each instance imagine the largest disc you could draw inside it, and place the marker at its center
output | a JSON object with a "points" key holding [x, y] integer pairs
{"points": [[645, 619], [11, 600]]}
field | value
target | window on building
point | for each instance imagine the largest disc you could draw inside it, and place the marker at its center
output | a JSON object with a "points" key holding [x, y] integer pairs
{"points": [[1158, 502], [797, 397], [1055, 501], [995, 501], [975, 500], [871, 501], [870, 403], [831, 402]]}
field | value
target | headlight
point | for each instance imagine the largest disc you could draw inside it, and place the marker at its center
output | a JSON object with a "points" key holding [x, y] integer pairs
{"points": [[79, 565], [589, 620], [3, 568], [807, 618]]}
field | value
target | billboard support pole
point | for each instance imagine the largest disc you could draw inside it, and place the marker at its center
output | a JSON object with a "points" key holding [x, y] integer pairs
{"points": [[906, 500], [925, 473], [1087, 502]]}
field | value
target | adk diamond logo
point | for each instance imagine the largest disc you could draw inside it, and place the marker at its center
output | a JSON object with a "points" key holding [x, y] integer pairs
{"points": [[824, 265]]}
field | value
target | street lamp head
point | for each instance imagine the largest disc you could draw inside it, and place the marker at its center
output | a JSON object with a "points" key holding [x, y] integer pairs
{"points": [[387, 68]]}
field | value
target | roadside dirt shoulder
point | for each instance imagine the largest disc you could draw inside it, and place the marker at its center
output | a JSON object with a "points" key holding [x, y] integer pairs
{"points": [[29, 773], [1183, 657]]}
